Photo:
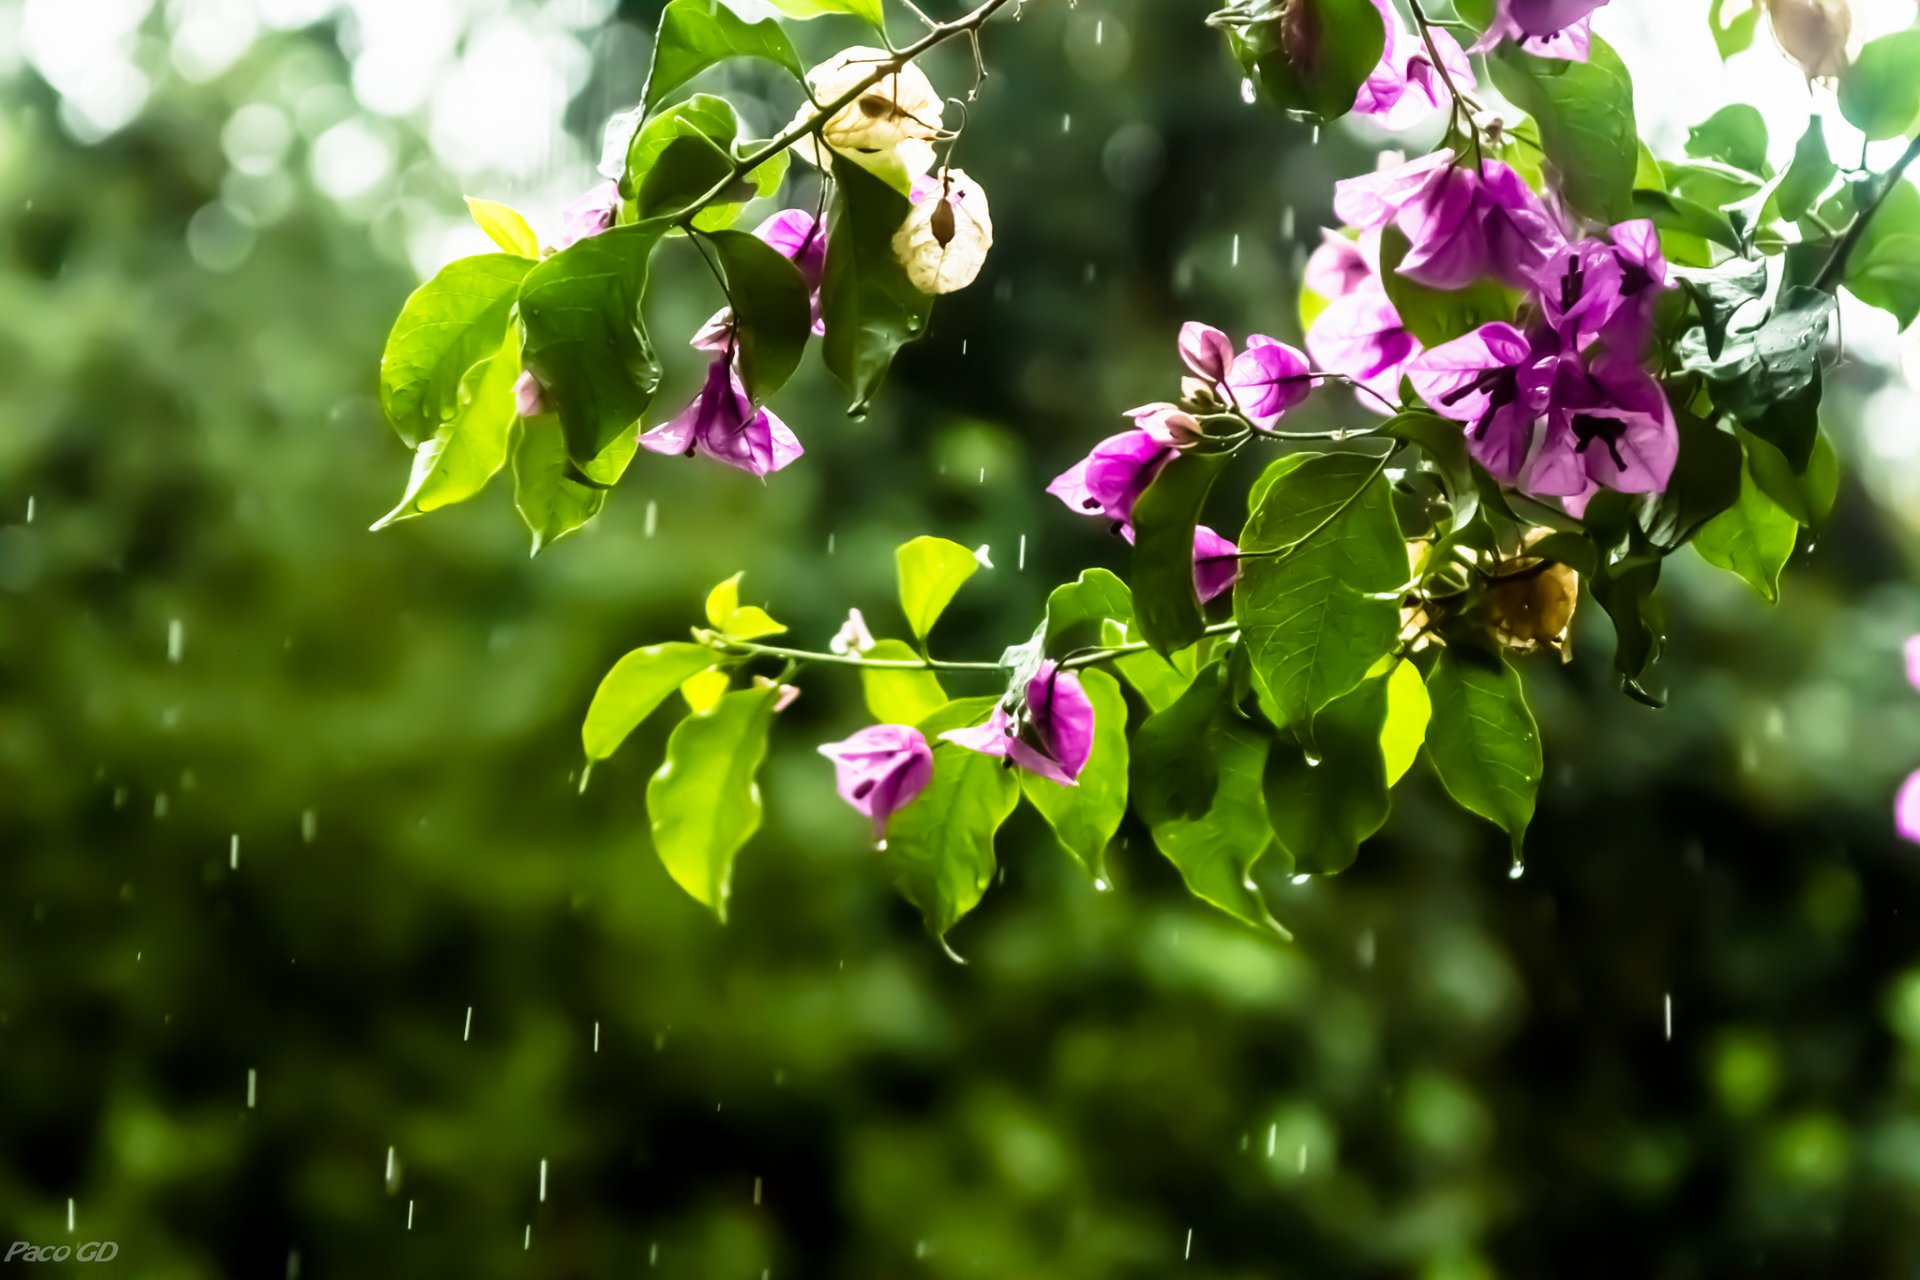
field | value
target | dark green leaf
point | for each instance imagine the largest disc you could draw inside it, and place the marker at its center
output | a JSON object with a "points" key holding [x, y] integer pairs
{"points": [[1445, 446], [1164, 598], [687, 168], [1753, 539], [931, 570], [451, 323], [1314, 600], [870, 307], [1705, 482], [1807, 496], [1721, 293], [1309, 57], [586, 340], [1197, 770], [1686, 228], [1095, 596], [902, 696], [634, 689], [1323, 803], [772, 310], [1808, 176], [1735, 135], [1086, 816], [1483, 740], [704, 802], [1625, 589], [1880, 92], [695, 34], [1585, 112], [553, 496]]}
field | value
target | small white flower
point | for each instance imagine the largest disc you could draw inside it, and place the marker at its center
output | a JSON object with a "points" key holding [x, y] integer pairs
{"points": [[944, 241], [853, 636]]}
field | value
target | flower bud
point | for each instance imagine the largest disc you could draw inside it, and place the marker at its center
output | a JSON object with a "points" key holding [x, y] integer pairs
{"points": [[529, 397], [899, 106], [881, 770], [944, 241], [1168, 424], [1813, 33], [1206, 351], [1530, 606]]}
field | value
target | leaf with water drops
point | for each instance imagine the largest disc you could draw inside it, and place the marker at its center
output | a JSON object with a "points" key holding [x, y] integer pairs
{"points": [[553, 496], [1483, 740], [449, 324], [1323, 802], [704, 802], [1166, 603], [870, 306], [467, 449]]}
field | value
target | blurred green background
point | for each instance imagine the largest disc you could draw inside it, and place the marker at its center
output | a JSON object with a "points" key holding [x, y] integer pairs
{"points": [[313, 961]]}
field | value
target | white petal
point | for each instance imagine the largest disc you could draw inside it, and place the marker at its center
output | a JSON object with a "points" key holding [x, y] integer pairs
{"points": [[944, 241]]}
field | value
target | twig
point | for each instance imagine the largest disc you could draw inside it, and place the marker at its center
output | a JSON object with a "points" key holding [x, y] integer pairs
{"points": [[1836, 267]]}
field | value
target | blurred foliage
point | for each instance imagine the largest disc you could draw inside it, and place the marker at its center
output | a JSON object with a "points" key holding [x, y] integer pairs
{"points": [[290, 809]]}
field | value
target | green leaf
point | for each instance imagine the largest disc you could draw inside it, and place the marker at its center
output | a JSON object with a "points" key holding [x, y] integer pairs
{"points": [[1752, 538], [1166, 602], [1880, 92], [586, 340], [1197, 770], [634, 689], [1096, 596], [695, 172], [686, 169], [553, 496], [1309, 57], [730, 619], [451, 323], [868, 10], [1769, 377], [695, 34], [772, 310], [1735, 34], [1316, 609], [1483, 740], [940, 847], [931, 570], [1735, 135], [1445, 445], [1156, 678], [1625, 589], [704, 689], [504, 226], [870, 307], [1439, 315], [704, 802], [470, 447], [1324, 803], [1807, 496], [902, 696], [1808, 176], [1585, 113], [1705, 481], [1408, 711], [1086, 816], [1884, 268]]}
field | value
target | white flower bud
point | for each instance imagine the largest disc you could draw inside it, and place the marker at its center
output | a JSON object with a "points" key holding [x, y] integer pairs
{"points": [[901, 105], [944, 241], [1813, 33]]}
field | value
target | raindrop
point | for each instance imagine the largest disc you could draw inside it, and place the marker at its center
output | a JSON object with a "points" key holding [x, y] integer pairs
{"points": [[526, 1241], [879, 846], [1312, 759], [233, 853], [1099, 30], [1367, 948], [409, 1215], [160, 805], [1303, 1157], [543, 1182], [1187, 1256], [1519, 869], [69, 1215], [653, 1255], [1021, 565], [1066, 123], [596, 1037], [830, 539], [983, 475], [253, 1083], [176, 639], [293, 1264], [29, 508], [1246, 90], [756, 1192], [1286, 223], [1100, 885], [1273, 1138], [1301, 879], [309, 825], [1236, 249], [653, 519], [466, 1032], [119, 797], [393, 1170], [1667, 1010], [963, 346], [1314, 140]]}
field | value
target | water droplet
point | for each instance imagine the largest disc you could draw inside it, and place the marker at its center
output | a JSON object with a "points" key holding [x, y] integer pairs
{"points": [[409, 1215], [880, 846], [233, 853], [1188, 1254], [1100, 885], [653, 1255], [756, 1192], [1066, 123], [543, 1182], [1519, 869], [29, 508], [393, 1170], [1314, 140], [1022, 563], [830, 541], [1303, 1157], [69, 1215], [176, 640], [596, 1037], [1236, 249], [652, 523], [526, 1241], [1246, 90], [1667, 1013], [466, 1033], [1099, 30], [1302, 879], [253, 1084], [1273, 1137], [309, 825]]}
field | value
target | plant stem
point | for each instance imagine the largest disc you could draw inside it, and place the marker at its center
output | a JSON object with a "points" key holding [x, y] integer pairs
{"points": [[1096, 656], [1460, 103], [1836, 267], [751, 650]]}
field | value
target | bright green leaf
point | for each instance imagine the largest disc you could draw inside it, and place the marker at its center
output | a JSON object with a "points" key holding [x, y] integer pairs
{"points": [[1483, 740], [703, 690], [1314, 600], [1752, 538], [1880, 92], [931, 570], [1408, 711], [555, 497], [870, 307], [1808, 176], [1156, 678], [1166, 602], [903, 695], [868, 10], [1735, 135], [451, 323], [1733, 34], [1086, 816], [940, 847], [634, 689], [696, 34], [470, 447], [1585, 113], [726, 615], [704, 802], [1807, 496], [586, 340], [504, 226]]}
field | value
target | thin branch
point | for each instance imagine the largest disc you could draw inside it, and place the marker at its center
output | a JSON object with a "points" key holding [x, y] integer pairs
{"points": [[751, 650], [1836, 267]]}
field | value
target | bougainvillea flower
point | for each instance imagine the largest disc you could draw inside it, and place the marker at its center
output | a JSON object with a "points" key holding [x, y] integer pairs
{"points": [[1912, 652], [1460, 225], [1108, 481], [529, 397], [1216, 564], [1372, 200], [1906, 809], [1341, 265], [1643, 276], [944, 241], [1579, 289], [590, 213], [1549, 28], [1607, 425], [1520, 236], [1497, 383], [881, 770], [1267, 379], [723, 424], [1048, 732], [1404, 88], [1360, 335], [1168, 424], [1206, 351], [800, 238]]}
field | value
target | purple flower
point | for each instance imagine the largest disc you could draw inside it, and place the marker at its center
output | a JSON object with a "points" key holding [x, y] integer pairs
{"points": [[1912, 650], [723, 424], [1493, 381], [1594, 288], [1206, 351], [1372, 200], [881, 770], [1340, 265], [1048, 732], [591, 212], [1360, 335], [1520, 236], [1906, 809], [1267, 379], [1406, 87], [1108, 481], [1167, 423], [1460, 225], [1643, 277], [1549, 28], [529, 397], [801, 238], [1216, 564], [1609, 426]]}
